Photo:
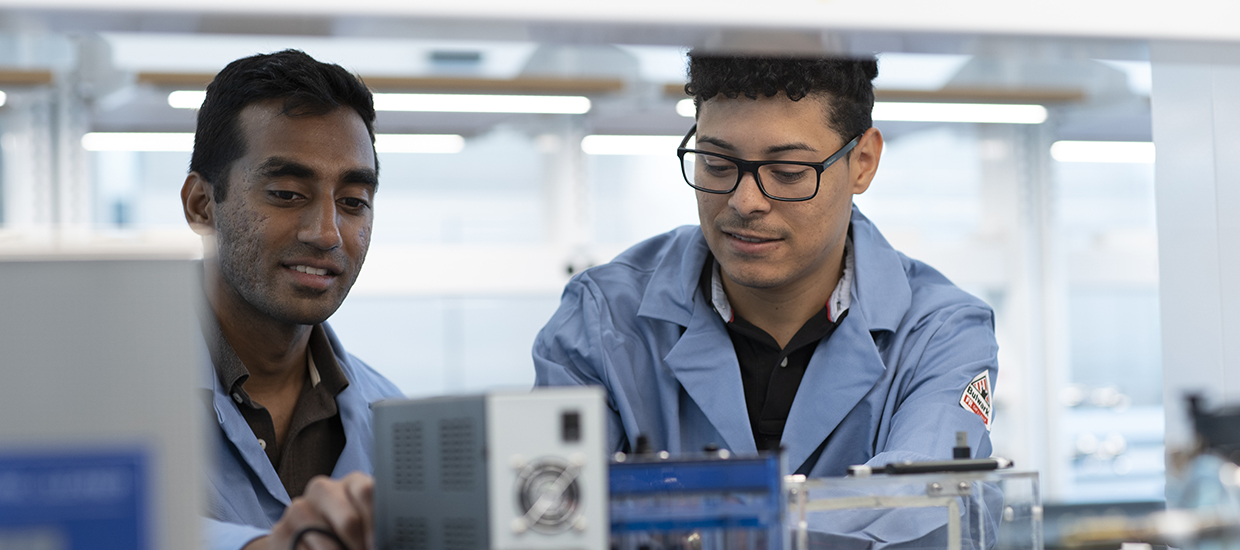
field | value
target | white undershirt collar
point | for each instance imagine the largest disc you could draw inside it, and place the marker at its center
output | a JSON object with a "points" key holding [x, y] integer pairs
{"points": [[314, 371]]}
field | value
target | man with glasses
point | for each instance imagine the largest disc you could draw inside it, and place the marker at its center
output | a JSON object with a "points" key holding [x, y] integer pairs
{"points": [[785, 320]]}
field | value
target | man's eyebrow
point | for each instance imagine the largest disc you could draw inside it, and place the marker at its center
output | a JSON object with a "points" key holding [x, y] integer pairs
{"points": [[794, 146], [717, 142], [364, 176], [276, 167]]}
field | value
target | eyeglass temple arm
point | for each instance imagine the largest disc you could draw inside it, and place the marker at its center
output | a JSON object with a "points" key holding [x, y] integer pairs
{"points": [[840, 154], [685, 141]]}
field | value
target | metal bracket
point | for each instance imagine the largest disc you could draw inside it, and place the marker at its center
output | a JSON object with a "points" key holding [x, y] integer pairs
{"points": [[958, 489]]}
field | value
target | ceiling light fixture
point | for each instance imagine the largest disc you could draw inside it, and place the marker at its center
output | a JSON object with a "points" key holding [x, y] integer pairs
{"points": [[171, 142], [686, 108], [478, 103], [1131, 152], [183, 142], [985, 113], [419, 143], [186, 99], [442, 103], [630, 145]]}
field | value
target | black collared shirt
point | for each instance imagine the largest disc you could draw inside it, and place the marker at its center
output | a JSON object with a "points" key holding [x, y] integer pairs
{"points": [[315, 435], [770, 375]]}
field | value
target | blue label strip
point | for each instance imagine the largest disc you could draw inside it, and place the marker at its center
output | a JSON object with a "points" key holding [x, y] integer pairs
{"points": [[76, 500], [756, 474], [673, 495]]}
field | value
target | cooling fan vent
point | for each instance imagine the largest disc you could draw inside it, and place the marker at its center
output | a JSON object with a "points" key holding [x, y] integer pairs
{"points": [[548, 495]]}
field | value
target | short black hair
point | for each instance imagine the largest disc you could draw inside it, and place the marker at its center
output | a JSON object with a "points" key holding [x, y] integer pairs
{"points": [[307, 86], [846, 81]]}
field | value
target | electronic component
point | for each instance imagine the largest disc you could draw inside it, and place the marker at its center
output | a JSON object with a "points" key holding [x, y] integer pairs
{"points": [[714, 500], [509, 471], [961, 450]]}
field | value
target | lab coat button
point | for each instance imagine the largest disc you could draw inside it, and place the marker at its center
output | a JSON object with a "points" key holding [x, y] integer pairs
{"points": [[262, 443]]}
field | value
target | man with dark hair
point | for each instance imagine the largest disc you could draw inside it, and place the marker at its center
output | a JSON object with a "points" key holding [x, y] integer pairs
{"points": [[785, 320], [281, 186]]}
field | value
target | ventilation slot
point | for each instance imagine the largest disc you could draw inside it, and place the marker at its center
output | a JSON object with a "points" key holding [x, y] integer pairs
{"points": [[457, 454], [461, 534], [411, 534], [407, 445]]}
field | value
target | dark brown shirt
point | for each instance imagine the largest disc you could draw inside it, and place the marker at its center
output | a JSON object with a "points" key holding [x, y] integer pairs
{"points": [[315, 435]]}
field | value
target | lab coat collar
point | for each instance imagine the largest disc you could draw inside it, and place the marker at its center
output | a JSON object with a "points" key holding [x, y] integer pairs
{"points": [[234, 426], [839, 376], [237, 431], [354, 416], [705, 363], [880, 286], [672, 293], [843, 369]]}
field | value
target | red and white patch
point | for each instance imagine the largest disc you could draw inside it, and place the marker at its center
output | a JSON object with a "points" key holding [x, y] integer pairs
{"points": [[976, 398]]}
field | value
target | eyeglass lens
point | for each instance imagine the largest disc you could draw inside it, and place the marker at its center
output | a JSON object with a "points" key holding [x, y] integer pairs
{"points": [[786, 181]]}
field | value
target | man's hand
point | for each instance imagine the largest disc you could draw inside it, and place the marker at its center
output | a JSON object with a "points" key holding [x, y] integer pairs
{"points": [[345, 507]]}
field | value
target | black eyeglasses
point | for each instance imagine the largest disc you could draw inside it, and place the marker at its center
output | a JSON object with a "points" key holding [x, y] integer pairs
{"points": [[788, 180]]}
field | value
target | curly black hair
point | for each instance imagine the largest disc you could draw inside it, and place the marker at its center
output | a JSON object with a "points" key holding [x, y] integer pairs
{"points": [[307, 87], [845, 81]]}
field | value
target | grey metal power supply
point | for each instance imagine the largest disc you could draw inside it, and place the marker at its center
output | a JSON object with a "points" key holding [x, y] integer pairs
{"points": [[501, 471]]}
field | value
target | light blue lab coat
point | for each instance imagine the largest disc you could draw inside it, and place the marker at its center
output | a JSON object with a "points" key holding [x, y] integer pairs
{"points": [[244, 494], [886, 386]]}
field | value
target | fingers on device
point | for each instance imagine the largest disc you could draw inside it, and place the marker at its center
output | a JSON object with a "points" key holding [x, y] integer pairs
{"points": [[520, 470]]}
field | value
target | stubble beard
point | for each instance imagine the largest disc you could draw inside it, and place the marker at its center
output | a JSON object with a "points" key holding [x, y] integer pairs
{"points": [[241, 268], [744, 275]]}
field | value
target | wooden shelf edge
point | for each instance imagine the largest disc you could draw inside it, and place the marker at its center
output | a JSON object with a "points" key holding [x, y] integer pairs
{"points": [[524, 85]]}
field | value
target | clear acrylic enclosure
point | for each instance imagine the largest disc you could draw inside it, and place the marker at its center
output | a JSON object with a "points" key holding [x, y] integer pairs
{"points": [[973, 510]]}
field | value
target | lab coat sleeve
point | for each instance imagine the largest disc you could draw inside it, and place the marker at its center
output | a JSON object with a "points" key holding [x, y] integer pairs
{"points": [[924, 427], [569, 350], [219, 535], [929, 412]]}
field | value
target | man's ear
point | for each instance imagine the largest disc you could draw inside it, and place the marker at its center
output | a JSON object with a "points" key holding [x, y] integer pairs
{"points": [[864, 162], [199, 204]]}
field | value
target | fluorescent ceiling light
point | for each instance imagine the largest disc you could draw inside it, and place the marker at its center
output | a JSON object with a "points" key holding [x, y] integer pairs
{"points": [[686, 108], [992, 113], [630, 145], [477, 103], [186, 99], [442, 103], [419, 143], [1133, 152], [183, 142], [3, 98], [179, 142]]}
